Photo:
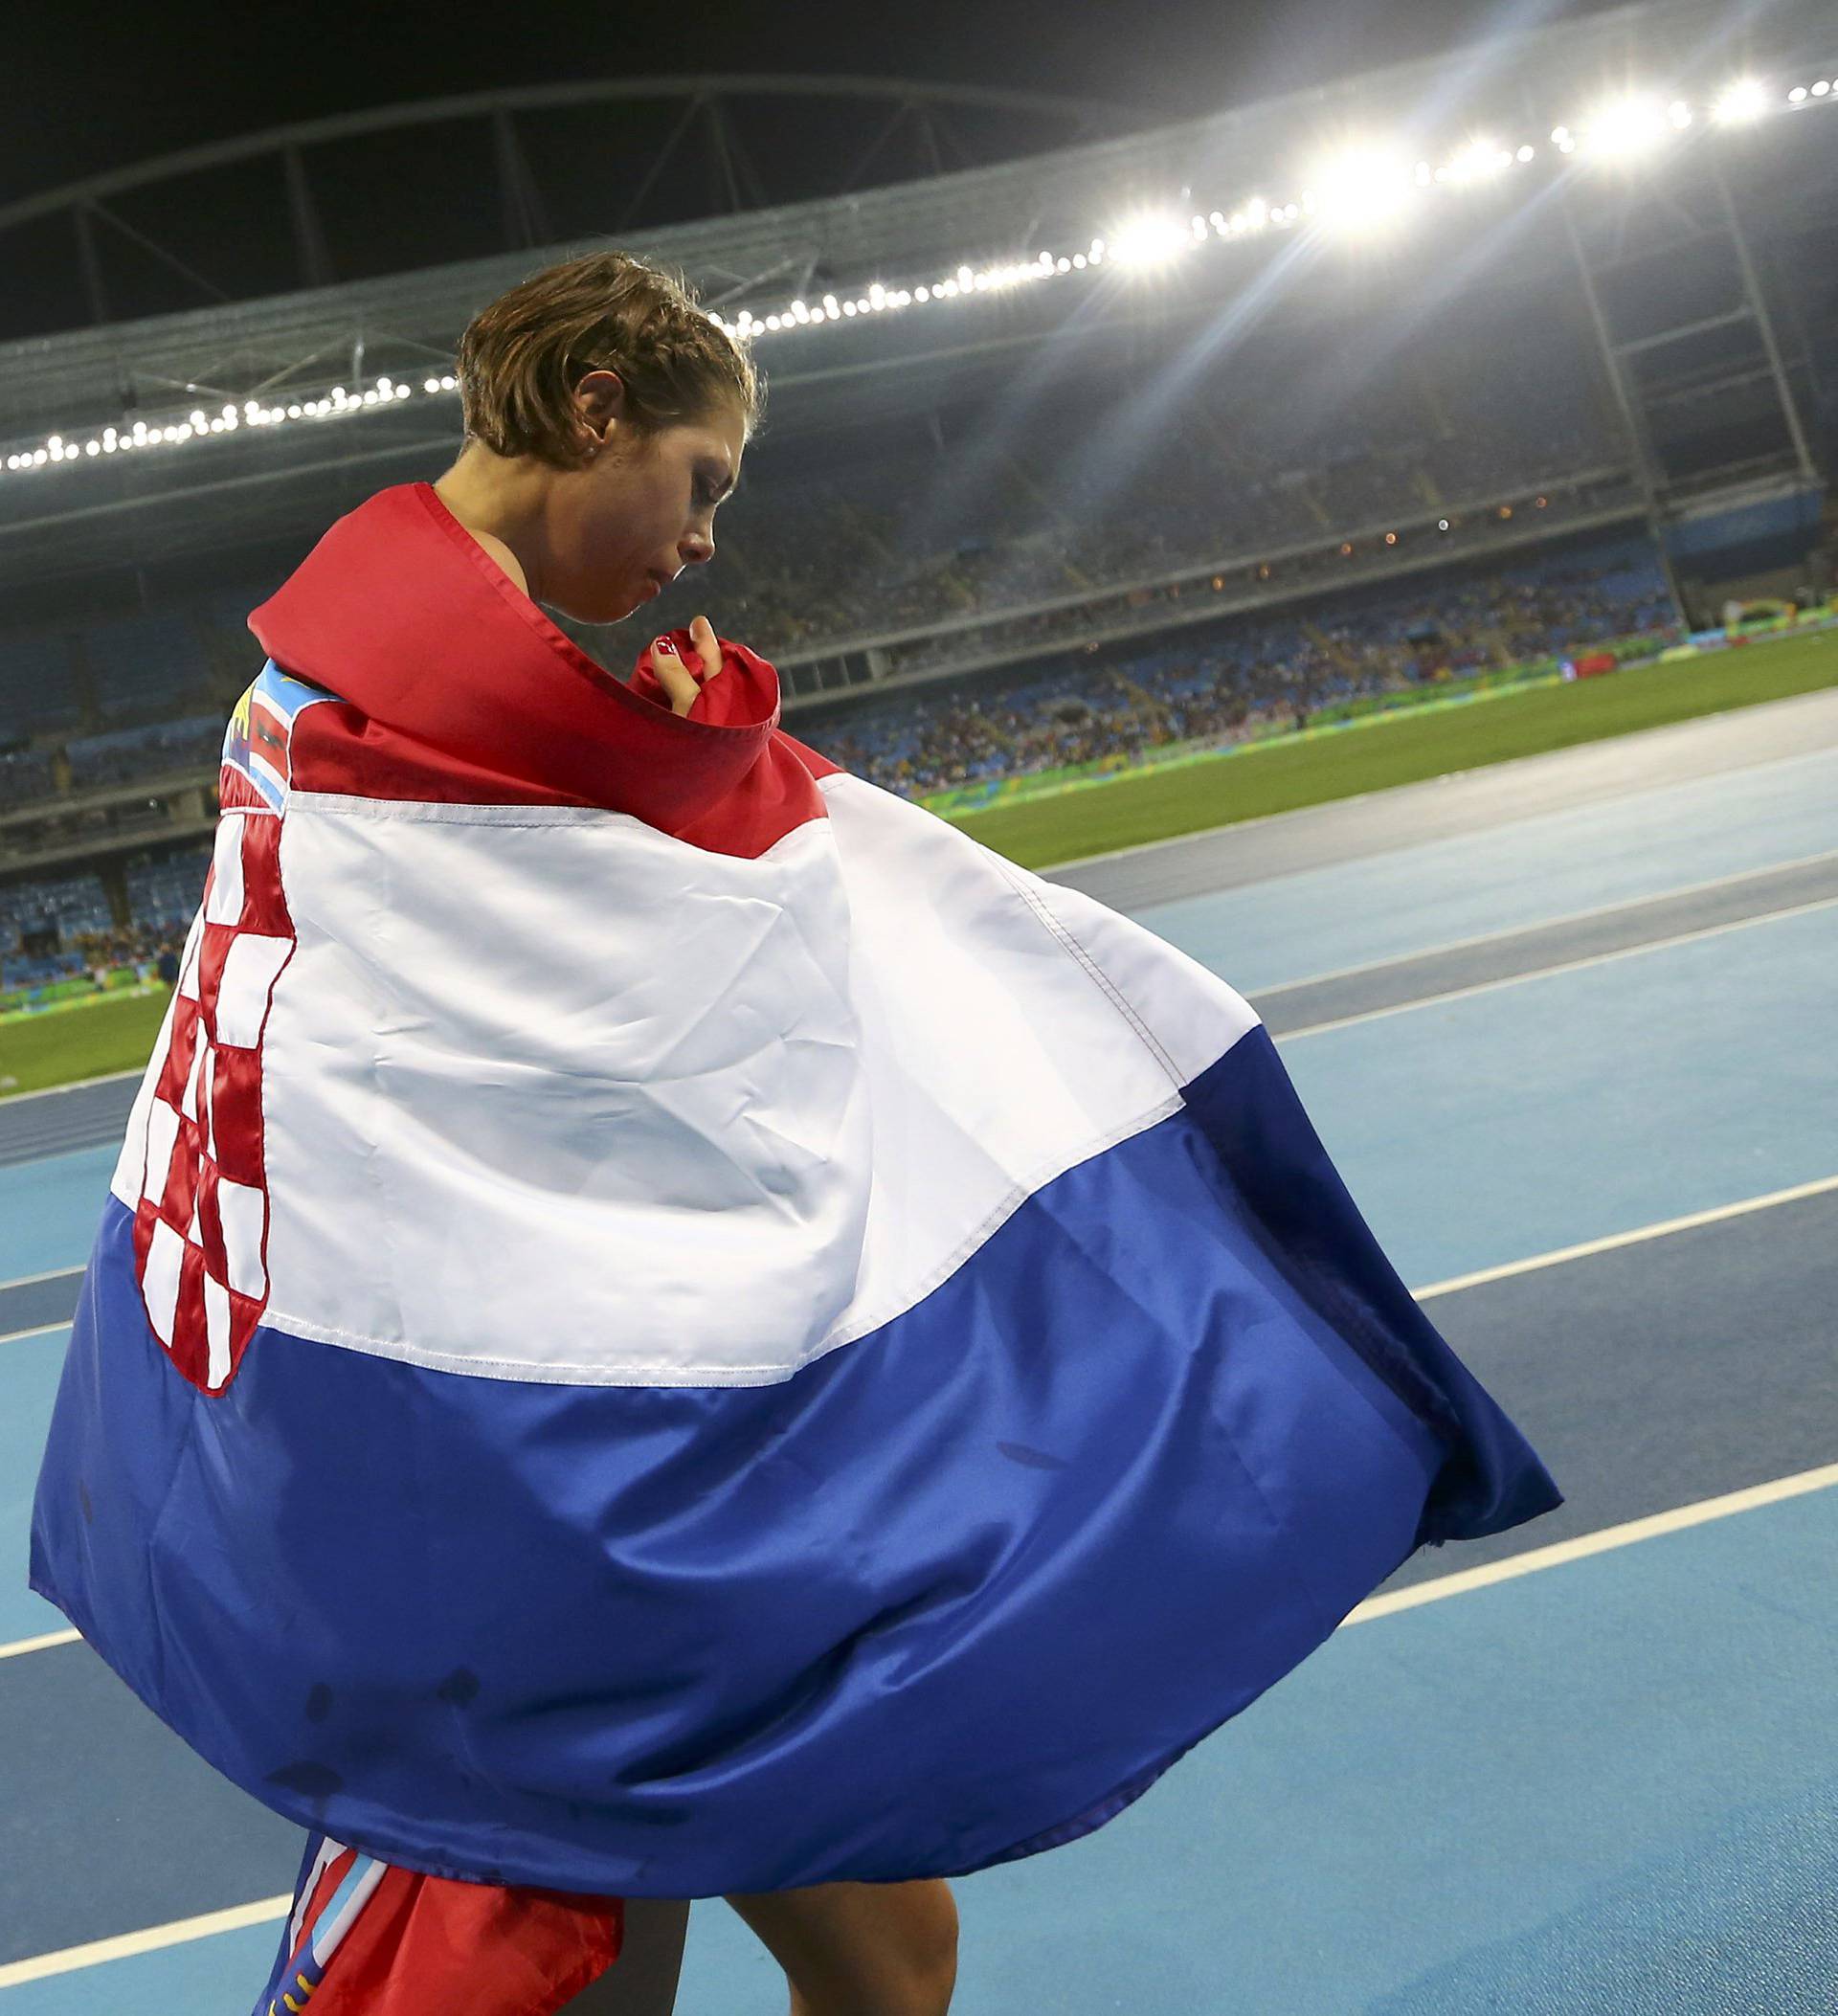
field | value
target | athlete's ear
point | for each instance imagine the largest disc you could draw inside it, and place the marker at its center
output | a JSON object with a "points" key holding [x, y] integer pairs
{"points": [[599, 398]]}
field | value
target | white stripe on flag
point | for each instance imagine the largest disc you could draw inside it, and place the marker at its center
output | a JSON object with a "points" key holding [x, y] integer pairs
{"points": [[914, 1036]]}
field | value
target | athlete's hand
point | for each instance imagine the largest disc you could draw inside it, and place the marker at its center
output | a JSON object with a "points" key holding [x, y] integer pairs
{"points": [[674, 676]]}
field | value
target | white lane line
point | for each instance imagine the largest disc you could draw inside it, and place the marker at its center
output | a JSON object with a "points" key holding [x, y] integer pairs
{"points": [[1603, 1542], [31, 1280], [265, 1911], [1627, 1239], [272, 1909], [1544, 924], [41, 1330], [76, 1085], [1545, 973], [39, 1644]]}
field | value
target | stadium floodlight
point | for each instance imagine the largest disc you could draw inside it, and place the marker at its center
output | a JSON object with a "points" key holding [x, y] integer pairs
{"points": [[1624, 126], [1149, 239], [1739, 102], [1361, 189], [1479, 161]]}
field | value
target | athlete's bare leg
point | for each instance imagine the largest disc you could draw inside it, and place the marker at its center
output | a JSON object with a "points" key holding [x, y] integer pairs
{"points": [[861, 1948]]}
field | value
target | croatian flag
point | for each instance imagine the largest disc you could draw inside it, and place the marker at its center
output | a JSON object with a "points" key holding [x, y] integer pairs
{"points": [[669, 1324]]}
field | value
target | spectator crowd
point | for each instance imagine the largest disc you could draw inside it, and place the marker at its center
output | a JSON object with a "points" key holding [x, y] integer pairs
{"points": [[1235, 678], [1241, 677]]}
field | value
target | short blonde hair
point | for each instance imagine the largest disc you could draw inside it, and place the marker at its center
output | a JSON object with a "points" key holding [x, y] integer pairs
{"points": [[522, 355]]}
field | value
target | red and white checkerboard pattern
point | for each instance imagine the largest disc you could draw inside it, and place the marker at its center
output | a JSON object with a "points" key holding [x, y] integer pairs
{"points": [[201, 1225]]}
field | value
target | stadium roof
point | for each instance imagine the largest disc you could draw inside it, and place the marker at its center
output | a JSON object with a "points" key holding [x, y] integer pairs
{"points": [[408, 322]]}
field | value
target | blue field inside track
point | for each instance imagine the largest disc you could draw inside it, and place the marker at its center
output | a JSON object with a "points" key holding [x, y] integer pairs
{"points": [[1536, 1116], [48, 1210], [29, 1369], [1607, 1785], [1533, 871]]}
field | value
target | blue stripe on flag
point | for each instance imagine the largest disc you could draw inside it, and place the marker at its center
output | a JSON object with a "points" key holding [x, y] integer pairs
{"points": [[957, 1591]]}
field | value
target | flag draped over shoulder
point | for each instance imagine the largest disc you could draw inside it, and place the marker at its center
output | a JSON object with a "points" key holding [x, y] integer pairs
{"points": [[669, 1324]]}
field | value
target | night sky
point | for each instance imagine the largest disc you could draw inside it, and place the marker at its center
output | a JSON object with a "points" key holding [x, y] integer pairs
{"points": [[91, 86]]}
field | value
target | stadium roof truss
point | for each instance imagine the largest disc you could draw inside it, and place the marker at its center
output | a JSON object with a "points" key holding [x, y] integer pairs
{"points": [[705, 137]]}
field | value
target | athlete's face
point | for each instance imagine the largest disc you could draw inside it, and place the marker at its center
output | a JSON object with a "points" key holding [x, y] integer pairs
{"points": [[638, 511]]}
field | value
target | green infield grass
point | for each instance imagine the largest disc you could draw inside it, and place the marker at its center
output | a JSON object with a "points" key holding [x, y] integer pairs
{"points": [[41, 1050], [1399, 748]]}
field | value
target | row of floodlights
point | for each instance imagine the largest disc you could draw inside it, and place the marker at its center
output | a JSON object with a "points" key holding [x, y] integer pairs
{"points": [[196, 424], [1358, 188]]}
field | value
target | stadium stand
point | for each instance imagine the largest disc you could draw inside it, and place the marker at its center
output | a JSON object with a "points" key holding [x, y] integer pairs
{"points": [[25, 774], [1536, 608], [866, 548], [144, 668], [1249, 673], [1221, 681], [162, 892], [36, 689], [126, 755], [67, 911]]}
